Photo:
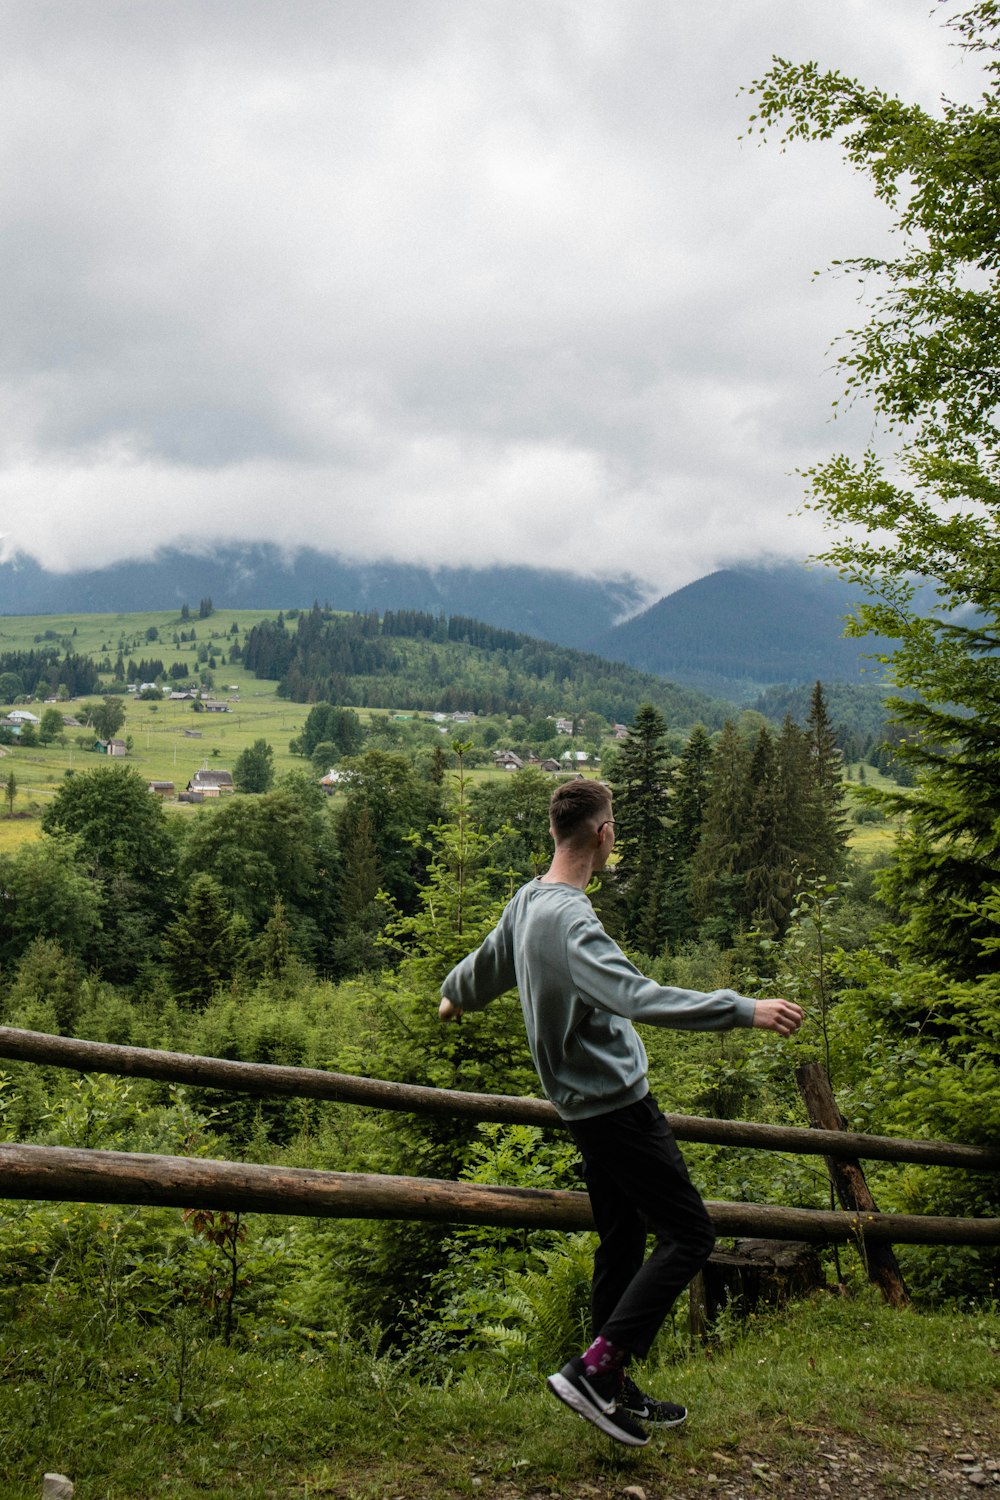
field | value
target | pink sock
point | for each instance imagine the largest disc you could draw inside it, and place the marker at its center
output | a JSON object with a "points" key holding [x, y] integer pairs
{"points": [[602, 1356]]}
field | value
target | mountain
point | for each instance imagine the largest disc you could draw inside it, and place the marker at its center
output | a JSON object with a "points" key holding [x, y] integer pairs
{"points": [[549, 605], [734, 632]]}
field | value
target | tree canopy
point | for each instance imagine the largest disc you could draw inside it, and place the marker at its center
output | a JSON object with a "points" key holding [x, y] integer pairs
{"points": [[922, 505]]}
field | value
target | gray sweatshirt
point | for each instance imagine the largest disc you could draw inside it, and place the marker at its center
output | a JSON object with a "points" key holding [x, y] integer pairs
{"points": [[580, 995]]}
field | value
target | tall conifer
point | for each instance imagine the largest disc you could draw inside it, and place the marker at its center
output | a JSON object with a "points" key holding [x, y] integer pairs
{"points": [[641, 789]]}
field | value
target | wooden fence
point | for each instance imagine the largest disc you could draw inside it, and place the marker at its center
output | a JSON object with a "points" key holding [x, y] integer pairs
{"points": [[67, 1175]]}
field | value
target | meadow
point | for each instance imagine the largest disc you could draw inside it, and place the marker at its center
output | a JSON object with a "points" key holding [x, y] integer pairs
{"points": [[170, 741]]}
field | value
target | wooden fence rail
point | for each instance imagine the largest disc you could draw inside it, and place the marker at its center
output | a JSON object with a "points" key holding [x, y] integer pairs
{"points": [[62, 1174], [65, 1175], [267, 1080]]}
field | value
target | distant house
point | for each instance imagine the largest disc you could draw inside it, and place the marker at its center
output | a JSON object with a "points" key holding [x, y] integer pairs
{"points": [[331, 781], [162, 788], [22, 716], [211, 783], [620, 731], [506, 760], [214, 706], [110, 747], [550, 765], [578, 757], [564, 726], [192, 734]]}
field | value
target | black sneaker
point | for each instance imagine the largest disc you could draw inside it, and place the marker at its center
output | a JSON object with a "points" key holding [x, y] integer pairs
{"points": [[638, 1404], [595, 1398]]}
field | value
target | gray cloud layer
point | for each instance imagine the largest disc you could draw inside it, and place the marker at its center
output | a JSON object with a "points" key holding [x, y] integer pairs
{"points": [[454, 281]]}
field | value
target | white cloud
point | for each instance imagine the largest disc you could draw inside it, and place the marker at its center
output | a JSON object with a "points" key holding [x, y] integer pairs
{"points": [[435, 282]]}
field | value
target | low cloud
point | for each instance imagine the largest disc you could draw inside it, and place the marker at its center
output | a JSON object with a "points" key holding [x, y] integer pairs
{"points": [[453, 284]]}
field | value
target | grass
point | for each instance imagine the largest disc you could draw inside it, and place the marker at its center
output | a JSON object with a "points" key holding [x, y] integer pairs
{"points": [[172, 1413]]}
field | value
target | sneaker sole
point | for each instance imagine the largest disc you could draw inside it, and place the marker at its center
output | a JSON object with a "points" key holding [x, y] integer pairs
{"points": [[568, 1394]]}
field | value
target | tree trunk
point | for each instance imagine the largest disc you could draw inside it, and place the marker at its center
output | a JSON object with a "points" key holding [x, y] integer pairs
{"points": [[850, 1184]]}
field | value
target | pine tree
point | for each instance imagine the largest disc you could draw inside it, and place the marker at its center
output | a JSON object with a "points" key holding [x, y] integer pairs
{"points": [[688, 802], [716, 876], [828, 833], [766, 858], [203, 946], [641, 791]]}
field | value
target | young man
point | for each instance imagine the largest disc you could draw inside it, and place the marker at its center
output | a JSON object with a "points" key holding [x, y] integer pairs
{"points": [[580, 996]]}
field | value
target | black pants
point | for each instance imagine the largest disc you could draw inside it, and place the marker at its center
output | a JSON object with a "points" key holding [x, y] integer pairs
{"points": [[639, 1185]]}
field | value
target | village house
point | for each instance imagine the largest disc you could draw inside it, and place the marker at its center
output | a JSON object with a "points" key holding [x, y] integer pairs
{"points": [[564, 726], [211, 783], [162, 788], [506, 760]]}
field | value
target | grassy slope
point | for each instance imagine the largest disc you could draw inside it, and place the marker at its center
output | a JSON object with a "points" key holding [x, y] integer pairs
{"points": [[872, 1401]]}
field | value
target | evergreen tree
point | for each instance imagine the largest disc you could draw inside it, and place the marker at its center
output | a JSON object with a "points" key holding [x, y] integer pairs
{"points": [[688, 802], [826, 839], [716, 876], [357, 946], [203, 946], [764, 859], [641, 791]]}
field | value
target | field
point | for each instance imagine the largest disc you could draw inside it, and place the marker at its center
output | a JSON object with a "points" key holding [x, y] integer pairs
{"points": [[169, 740]]}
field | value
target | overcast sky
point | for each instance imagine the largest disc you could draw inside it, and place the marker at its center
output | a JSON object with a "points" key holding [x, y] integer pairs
{"points": [[448, 281]]}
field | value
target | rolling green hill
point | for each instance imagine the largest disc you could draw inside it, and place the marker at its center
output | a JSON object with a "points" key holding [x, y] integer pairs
{"points": [[409, 659]]}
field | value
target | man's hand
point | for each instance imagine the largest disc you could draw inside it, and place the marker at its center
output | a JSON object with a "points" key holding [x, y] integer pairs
{"points": [[448, 1011], [782, 1016]]}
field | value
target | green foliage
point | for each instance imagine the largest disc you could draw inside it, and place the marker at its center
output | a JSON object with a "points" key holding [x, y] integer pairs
{"points": [[277, 847], [641, 788], [253, 770], [46, 895], [326, 724], [106, 718], [204, 945], [929, 512], [124, 842], [402, 660]]}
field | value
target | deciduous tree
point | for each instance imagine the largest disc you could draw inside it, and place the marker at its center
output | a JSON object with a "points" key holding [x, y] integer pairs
{"points": [[929, 509], [253, 770]]}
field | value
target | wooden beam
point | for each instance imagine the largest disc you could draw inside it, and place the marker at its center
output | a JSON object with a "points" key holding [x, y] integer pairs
{"points": [[268, 1080], [850, 1183], [65, 1175]]}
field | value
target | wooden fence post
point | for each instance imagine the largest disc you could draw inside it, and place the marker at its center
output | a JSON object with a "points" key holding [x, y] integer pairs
{"points": [[850, 1183]]}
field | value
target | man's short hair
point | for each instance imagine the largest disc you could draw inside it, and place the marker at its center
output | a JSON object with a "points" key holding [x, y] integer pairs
{"points": [[575, 804]]}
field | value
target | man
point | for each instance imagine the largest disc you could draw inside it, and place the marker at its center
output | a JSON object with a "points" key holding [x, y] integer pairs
{"points": [[580, 995]]}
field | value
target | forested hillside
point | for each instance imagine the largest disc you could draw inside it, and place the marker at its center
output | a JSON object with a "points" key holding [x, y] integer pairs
{"points": [[409, 659]]}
